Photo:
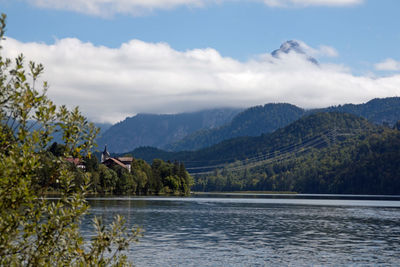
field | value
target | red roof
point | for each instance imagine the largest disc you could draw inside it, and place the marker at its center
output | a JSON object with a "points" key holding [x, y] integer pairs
{"points": [[116, 161], [76, 161]]}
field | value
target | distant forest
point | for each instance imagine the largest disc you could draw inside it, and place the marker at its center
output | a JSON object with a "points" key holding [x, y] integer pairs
{"points": [[366, 164], [351, 149], [194, 131], [325, 152]]}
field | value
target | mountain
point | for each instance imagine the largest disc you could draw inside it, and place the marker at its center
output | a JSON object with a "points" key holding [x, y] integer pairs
{"points": [[102, 126], [192, 131], [250, 122], [321, 153], [378, 110], [57, 136], [240, 148], [265, 119], [367, 163], [159, 130], [292, 46]]}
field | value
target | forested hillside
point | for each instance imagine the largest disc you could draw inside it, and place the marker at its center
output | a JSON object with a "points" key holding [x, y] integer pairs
{"points": [[159, 130], [193, 131], [363, 164], [379, 110], [265, 119], [318, 124], [319, 153], [250, 122]]}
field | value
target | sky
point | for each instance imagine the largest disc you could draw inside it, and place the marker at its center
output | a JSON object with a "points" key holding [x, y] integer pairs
{"points": [[117, 58]]}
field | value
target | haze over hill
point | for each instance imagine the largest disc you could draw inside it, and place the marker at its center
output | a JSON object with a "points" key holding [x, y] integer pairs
{"points": [[191, 131], [240, 148], [159, 130], [325, 152], [250, 122]]}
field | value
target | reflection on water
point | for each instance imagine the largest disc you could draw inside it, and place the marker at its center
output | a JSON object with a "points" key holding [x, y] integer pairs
{"points": [[257, 231]]}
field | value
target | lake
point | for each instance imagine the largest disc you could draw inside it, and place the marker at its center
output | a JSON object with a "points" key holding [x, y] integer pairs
{"points": [[258, 229]]}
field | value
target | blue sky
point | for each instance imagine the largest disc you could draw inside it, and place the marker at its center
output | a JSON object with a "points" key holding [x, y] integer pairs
{"points": [[207, 53]]}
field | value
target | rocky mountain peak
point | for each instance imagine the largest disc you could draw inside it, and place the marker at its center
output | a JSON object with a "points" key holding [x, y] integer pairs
{"points": [[292, 46]]}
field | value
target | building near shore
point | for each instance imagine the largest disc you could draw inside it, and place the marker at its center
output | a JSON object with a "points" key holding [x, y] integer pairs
{"points": [[124, 162]]}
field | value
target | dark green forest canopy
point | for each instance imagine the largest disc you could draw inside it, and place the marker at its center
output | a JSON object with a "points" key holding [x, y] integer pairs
{"points": [[351, 156], [379, 110], [358, 165], [245, 147]]}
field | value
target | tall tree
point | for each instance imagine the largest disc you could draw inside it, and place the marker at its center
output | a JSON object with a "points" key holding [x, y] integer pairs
{"points": [[34, 231]]}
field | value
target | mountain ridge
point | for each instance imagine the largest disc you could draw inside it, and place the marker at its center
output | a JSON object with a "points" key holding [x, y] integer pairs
{"points": [[248, 122], [160, 129], [242, 147], [321, 153], [378, 110]]}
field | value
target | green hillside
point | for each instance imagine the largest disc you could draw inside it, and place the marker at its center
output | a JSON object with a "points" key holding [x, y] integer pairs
{"points": [[319, 153], [266, 119], [194, 131], [318, 124], [363, 164], [159, 130], [250, 122], [378, 110]]}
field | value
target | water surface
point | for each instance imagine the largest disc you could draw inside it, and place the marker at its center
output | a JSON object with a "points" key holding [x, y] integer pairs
{"points": [[258, 230]]}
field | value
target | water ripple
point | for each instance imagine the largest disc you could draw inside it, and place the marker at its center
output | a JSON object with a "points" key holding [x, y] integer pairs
{"points": [[247, 232]]}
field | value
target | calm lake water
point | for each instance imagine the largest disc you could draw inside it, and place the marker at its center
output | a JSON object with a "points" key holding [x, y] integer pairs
{"points": [[258, 230]]}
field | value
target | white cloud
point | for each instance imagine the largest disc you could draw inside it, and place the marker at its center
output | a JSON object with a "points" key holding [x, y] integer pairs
{"points": [[108, 8], [388, 65], [111, 7], [328, 51], [304, 3], [321, 51], [112, 83]]}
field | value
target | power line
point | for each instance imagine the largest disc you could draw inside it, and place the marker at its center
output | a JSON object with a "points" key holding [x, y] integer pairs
{"points": [[280, 154], [270, 156], [269, 153]]}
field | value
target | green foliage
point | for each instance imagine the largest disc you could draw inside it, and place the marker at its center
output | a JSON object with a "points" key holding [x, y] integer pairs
{"points": [[35, 231], [108, 179], [368, 163], [143, 179], [171, 178]]}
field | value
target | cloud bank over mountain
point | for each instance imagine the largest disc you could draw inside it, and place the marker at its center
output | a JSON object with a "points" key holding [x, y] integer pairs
{"points": [[140, 7], [112, 83]]}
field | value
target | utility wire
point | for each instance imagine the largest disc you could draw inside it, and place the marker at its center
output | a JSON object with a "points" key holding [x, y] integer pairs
{"points": [[280, 154], [270, 157]]}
